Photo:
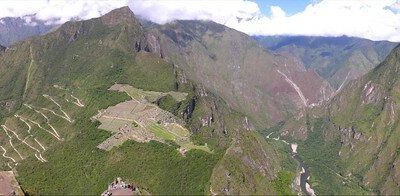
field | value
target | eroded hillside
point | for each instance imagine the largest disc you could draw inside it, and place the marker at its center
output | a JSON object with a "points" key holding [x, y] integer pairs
{"points": [[264, 86]]}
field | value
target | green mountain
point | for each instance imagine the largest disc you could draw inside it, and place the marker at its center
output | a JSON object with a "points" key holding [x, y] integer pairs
{"points": [[266, 87], [192, 108], [336, 59], [57, 109], [351, 144], [365, 114], [13, 29]]}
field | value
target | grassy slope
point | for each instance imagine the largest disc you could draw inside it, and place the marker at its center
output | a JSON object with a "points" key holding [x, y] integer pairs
{"points": [[88, 64], [76, 166]]}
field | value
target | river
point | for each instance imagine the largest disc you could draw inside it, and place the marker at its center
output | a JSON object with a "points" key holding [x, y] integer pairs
{"points": [[304, 173]]}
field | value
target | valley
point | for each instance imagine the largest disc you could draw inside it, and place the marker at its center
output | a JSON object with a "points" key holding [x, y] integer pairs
{"points": [[193, 107], [301, 181]]}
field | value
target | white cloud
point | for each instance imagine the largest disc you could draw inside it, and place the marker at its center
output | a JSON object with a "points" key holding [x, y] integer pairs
{"points": [[372, 19], [277, 12], [219, 11], [58, 11], [367, 19]]}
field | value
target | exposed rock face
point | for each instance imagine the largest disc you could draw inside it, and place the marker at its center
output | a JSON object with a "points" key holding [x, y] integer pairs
{"points": [[8, 105], [350, 137], [189, 109], [372, 93], [121, 15], [266, 87], [154, 44]]}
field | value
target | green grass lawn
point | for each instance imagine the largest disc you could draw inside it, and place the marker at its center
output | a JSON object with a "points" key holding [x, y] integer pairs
{"points": [[161, 132], [134, 93], [190, 145]]}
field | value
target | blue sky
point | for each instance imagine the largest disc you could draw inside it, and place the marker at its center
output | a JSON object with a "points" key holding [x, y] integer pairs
{"points": [[289, 6]]}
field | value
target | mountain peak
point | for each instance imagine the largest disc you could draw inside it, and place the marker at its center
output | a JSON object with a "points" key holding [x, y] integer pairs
{"points": [[120, 15]]}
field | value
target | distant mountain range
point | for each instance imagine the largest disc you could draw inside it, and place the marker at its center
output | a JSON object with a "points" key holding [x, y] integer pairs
{"points": [[13, 29], [254, 102], [337, 59]]}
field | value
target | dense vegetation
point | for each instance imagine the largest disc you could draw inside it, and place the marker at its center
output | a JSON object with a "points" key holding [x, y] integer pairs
{"points": [[88, 69], [84, 59], [282, 183], [320, 152]]}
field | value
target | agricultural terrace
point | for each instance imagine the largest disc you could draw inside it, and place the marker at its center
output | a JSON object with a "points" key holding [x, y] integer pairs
{"points": [[141, 120]]}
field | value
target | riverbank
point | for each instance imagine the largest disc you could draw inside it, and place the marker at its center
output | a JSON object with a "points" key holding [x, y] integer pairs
{"points": [[301, 182], [304, 173]]}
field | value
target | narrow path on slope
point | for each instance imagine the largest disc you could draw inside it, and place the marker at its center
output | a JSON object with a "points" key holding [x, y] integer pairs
{"points": [[11, 144], [54, 133], [66, 116], [28, 75], [77, 101], [5, 156], [39, 144], [23, 141], [26, 123], [294, 85], [29, 131]]}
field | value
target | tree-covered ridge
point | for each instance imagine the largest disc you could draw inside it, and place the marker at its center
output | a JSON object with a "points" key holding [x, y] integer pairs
{"points": [[60, 80]]}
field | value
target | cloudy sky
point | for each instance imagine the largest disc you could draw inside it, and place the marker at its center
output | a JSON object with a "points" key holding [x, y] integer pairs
{"points": [[371, 19]]}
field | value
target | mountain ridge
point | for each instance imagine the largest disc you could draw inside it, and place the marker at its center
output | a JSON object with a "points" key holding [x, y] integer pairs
{"points": [[221, 50], [82, 59], [337, 59], [14, 29], [238, 94]]}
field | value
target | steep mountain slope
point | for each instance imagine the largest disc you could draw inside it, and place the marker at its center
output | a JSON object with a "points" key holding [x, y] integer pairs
{"points": [[264, 86], [337, 59], [13, 29], [351, 144], [366, 115], [52, 85]]}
